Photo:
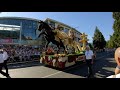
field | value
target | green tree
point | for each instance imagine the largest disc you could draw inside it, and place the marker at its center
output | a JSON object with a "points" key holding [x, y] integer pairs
{"points": [[98, 39], [115, 39], [109, 44], [91, 46]]}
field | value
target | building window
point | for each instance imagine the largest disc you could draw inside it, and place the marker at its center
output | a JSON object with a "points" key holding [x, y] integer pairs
{"points": [[30, 26], [52, 24], [66, 30], [61, 28]]}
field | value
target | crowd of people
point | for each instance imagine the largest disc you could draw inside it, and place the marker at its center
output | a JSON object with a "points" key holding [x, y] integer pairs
{"points": [[18, 53]]}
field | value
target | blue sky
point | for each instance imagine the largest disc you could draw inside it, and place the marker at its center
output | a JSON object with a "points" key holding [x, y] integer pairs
{"points": [[82, 21]]}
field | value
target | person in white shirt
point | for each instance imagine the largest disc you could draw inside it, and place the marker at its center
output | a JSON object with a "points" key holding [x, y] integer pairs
{"points": [[89, 60], [5, 57], [2, 64]]}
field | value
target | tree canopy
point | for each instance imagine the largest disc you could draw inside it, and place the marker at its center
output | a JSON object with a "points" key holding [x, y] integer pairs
{"points": [[115, 38], [98, 39]]}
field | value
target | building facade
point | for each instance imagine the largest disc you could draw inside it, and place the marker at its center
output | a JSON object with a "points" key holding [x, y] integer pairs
{"points": [[29, 32], [28, 28]]}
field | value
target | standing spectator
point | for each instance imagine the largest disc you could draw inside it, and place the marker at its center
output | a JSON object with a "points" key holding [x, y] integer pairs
{"points": [[5, 57], [89, 60], [2, 64]]}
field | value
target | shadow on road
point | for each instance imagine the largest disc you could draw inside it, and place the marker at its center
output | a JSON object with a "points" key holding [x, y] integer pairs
{"points": [[24, 65], [102, 68]]}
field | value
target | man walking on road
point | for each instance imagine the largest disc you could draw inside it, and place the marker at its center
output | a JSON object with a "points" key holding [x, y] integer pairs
{"points": [[2, 64], [89, 60], [5, 57]]}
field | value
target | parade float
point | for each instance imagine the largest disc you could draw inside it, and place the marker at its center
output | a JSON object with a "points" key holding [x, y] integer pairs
{"points": [[74, 51]]}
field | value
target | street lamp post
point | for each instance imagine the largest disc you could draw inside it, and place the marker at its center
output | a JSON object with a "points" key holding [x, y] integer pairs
{"points": [[20, 39]]}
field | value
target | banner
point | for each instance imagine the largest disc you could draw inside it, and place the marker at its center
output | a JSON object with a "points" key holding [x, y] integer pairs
{"points": [[6, 41]]}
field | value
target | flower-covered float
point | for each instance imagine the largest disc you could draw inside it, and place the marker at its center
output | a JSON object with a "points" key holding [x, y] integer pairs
{"points": [[49, 57], [72, 52]]}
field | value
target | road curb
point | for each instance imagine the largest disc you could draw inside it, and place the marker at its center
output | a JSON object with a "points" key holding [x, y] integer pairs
{"points": [[22, 62]]}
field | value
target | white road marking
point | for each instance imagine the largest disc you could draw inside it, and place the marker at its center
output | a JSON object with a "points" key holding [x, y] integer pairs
{"points": [[51, 74], [67, 69]]}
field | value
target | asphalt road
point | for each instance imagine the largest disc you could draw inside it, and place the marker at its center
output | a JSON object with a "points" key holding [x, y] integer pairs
{"points": [[103, 66]]}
